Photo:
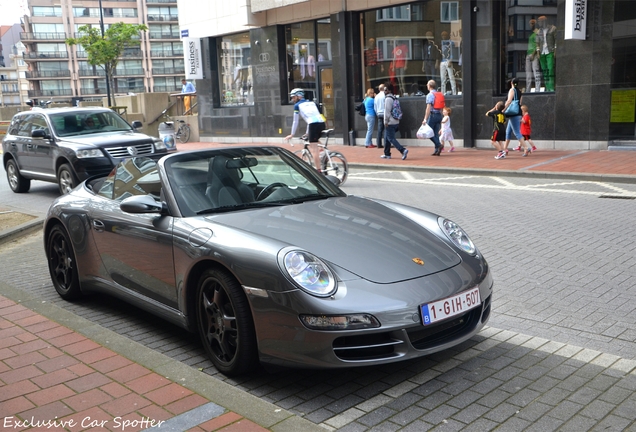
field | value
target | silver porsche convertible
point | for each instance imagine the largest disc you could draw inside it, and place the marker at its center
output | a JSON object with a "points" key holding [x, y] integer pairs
{"points": [[267, 260]]}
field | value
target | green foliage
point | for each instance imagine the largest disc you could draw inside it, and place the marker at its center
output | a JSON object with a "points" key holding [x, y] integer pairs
{"points": [[106, 51]]}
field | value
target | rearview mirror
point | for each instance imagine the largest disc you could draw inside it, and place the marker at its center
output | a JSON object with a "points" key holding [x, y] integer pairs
{"points": [[137, 124], [39, 133], [140, 204]]}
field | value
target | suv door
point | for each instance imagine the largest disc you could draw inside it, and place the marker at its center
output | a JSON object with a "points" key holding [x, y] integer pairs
{"points": [[15, 143], [40, 150]]}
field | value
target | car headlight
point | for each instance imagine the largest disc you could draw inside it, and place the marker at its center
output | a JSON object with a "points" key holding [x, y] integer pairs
{"points": [[89, 153], [159, 145], [310, 273], [458, 236]]}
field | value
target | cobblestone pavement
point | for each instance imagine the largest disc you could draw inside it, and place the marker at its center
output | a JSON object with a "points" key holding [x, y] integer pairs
{"points": [[559, 354]]}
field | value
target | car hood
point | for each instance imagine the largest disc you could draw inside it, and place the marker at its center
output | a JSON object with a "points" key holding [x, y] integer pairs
{"points": [[362, 236], [105, 139]]}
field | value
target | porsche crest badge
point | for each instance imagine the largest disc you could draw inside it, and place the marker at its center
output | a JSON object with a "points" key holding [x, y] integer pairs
{"points": [[418, 261]]}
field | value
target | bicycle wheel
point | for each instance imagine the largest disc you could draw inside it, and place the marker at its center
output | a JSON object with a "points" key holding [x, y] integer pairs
{"points": [[305, 156], [184, 133], [337, 167]]}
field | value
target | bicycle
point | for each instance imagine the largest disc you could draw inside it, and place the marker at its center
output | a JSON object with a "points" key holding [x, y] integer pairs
{"points": [[333, 163], [183, 130]]}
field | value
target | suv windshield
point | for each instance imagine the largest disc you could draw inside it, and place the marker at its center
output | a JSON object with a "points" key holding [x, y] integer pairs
{"points": [[87, 122]]}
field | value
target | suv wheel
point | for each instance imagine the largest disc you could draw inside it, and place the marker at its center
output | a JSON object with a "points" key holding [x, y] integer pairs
{"points": [[17, 183], [66, 179]]}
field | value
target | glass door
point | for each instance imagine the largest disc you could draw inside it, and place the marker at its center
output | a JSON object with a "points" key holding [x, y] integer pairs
{"points": [[326, 96]]}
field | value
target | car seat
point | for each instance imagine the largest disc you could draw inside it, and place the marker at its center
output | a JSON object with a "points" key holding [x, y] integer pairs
{"points": [[224, 186], [70, 125]]}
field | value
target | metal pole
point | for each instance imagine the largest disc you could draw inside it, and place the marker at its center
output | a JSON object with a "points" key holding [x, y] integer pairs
{"points": [[101, 26]]}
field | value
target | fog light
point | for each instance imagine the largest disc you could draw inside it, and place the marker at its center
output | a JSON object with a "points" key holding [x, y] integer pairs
{"points": [[342, 322]]}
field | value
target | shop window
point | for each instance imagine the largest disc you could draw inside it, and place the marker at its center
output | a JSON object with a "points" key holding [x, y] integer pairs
{"points": [[236, 70], [425, 44], [530, 48]]}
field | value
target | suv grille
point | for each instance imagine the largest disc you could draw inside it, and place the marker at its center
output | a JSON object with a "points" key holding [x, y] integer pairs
{"points": [[123, 152]]}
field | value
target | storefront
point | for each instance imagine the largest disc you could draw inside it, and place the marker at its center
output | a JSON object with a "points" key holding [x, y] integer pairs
{"points": [[579, 91]]}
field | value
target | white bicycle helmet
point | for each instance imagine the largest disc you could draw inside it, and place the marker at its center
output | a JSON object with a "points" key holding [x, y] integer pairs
{"points": [[297, 92]]}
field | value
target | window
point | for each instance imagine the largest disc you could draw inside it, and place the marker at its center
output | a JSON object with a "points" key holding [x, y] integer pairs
{"points": [[47, 11], [236, 70], [449, 12], [530, 48], [412, 44]]}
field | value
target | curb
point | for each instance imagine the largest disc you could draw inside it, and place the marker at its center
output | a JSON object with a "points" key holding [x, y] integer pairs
{"points": [[24, 229]]}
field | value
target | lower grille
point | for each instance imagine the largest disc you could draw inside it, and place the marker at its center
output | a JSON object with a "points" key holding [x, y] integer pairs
{"points": [[425, 337], [137, 150], [365, 347]]}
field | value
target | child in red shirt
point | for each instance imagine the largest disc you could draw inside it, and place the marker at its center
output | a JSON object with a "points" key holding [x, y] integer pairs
{"points": [[526, 127]]}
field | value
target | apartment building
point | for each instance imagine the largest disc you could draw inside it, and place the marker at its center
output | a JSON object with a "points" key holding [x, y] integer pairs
{"points": [[13, 84], [60, 72]]}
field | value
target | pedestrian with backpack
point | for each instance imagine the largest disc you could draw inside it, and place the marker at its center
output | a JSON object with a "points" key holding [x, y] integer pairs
{"points": [[435, 103], [392, 116]]}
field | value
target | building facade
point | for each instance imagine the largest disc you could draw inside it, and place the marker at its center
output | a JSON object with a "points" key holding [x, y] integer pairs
{"points": [[60, 72], [580, 90]]}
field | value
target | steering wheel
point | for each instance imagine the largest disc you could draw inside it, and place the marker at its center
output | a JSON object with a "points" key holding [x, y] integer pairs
{"points": [[267, 190]]}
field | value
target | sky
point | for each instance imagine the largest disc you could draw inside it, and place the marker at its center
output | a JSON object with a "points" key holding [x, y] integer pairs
{"points": [[10, 11]]}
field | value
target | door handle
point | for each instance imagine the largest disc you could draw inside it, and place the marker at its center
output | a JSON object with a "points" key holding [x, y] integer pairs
{"points": [[98, 225]]}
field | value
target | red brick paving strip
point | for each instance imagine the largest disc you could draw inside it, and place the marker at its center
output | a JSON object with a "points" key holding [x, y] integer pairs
{"points": [[52, 375]]}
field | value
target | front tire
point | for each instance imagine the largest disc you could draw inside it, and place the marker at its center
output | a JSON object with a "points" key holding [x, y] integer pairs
{"points": [[184, 134], [225, 323], [62, 264], [338, 168], [66, 180], [17, 183]]}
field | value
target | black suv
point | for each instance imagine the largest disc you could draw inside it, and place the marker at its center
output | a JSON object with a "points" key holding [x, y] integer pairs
{"points": [[69, 145]]}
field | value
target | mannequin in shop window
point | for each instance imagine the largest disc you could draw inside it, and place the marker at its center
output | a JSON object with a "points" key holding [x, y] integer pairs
{"points": [[372, 63], [446, 69], [431, 55], [532, 59], [400, 62], [546, 43]]}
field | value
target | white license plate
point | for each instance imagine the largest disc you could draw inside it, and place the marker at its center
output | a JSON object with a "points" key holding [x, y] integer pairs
{"points": [[450, 307]]}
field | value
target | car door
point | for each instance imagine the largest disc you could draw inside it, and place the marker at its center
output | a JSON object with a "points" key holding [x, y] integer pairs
{"points": [[136, 249], [18, 141], [40, 150]]}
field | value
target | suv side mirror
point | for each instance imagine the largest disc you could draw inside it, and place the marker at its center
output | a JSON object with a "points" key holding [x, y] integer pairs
{"points": [[137, 124], [39, 133]]}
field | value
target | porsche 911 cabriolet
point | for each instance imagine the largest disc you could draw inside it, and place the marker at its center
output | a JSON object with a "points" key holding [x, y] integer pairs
{"points": [[267, 260]]}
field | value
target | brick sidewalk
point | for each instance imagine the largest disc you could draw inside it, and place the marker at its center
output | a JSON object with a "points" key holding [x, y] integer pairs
{"points": [[54, 378]]}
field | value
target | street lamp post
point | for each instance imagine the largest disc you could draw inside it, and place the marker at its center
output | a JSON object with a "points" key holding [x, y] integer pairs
{"points": [[101, 26]]}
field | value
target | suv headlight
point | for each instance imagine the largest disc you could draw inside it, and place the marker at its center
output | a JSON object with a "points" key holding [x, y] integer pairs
{"points": [[310, 273], [159, 145], [89, 153], [458, 236]]}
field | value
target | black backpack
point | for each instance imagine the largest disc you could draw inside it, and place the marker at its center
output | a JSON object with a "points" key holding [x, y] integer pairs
{"points": [[361, 109]]}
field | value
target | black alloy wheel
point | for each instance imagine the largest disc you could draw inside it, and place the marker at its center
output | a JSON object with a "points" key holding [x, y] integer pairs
{"points": [[62, 264], [225, 323]]}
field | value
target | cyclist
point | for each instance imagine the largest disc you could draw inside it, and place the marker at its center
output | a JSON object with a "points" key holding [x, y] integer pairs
{"points": [[315, 121]]}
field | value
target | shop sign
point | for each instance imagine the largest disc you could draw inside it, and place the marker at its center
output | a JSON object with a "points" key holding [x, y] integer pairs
{"points": [[192, 58], [575, 19]]}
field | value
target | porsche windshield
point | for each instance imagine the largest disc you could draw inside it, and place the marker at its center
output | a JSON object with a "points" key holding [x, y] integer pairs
{"points": [[226, 180], [87, 122]]}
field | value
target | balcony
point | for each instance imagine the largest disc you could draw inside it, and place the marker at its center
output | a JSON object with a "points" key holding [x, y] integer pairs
{"points": [[168, 71], [128, 72], [91, 73], [161, 1], [42, 36], [48, 93], [155, 35], [45, 55], [132, 53], [93, 91], [48, 74], [163, 17], [166, 53]]}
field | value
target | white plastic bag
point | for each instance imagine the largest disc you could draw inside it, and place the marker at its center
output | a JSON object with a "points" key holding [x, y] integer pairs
{"points": [[425, 132]]}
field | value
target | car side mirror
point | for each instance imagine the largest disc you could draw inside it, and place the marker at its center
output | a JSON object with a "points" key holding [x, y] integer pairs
{"points": [[141, 204], [39, 133], [137, 124], [333, 179]]}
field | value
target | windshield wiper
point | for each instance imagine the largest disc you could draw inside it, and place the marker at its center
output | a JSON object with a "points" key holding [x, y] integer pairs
{"points": [[304, 198], [244, 206]]}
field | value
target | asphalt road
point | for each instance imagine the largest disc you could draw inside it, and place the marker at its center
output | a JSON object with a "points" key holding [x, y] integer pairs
{"points": [[560, 349]]}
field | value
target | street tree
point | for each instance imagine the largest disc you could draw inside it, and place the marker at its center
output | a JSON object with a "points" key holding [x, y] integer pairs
{"points": [[106, 47]]}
